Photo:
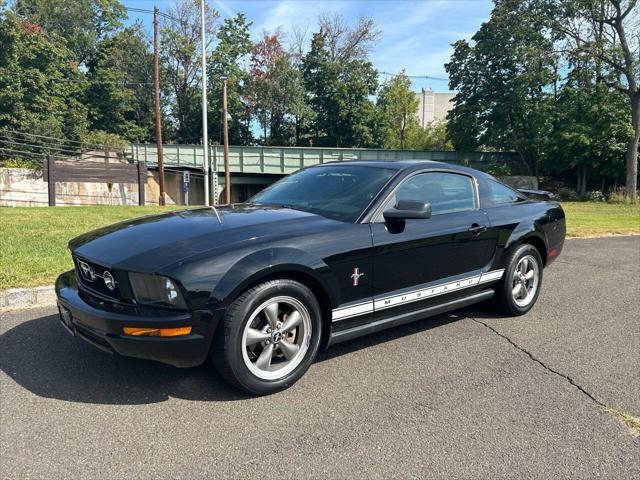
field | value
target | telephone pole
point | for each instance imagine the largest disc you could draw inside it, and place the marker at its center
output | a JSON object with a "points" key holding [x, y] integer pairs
{"points": [[156, 85], [227, 174], [205, 135]]}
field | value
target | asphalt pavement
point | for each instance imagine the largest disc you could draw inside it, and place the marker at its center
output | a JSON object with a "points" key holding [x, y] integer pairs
{"points": [[465, 395]]}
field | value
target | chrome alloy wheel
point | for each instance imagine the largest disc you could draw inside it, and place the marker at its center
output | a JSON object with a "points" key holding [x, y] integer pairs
{"points": [[525, 281], [276, 338]]}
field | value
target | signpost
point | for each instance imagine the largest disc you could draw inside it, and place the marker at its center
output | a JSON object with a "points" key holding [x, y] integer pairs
{"points": [[186, 185]]}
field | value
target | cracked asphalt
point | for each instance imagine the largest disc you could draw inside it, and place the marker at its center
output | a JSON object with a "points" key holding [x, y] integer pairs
{"points": [[467, 395]]}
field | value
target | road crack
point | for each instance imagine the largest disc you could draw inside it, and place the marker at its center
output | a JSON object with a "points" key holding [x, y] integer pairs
{"points": [[631, 422]]}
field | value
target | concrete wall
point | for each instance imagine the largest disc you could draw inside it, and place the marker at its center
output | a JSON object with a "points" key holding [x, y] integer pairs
{"points": [[21, 187]]}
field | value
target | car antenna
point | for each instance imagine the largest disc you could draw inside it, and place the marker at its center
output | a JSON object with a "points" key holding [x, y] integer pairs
{"points": [[216, 212]]}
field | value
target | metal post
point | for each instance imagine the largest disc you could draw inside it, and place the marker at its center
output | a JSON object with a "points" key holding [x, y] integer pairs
{"points": [[227, 174], [51, 181], [156, 85], [142, 182], [205, 133]]}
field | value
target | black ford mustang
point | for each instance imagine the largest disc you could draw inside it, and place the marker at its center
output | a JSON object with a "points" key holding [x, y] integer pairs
{"points": [[325, 255]]}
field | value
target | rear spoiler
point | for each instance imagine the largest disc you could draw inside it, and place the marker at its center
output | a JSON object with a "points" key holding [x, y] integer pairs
{"points": [[541, 194]]}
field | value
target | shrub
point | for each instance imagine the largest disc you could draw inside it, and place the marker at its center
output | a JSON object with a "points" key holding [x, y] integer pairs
{"points": [[14, 162], [498, 169], [619, 195], [566, 193], [595, 196]]}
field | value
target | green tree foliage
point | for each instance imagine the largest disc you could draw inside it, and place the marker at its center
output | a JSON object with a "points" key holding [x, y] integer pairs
{"points": [[233, 47], [180, 55], [592, 126], [501, 78], [606, 32], [39, 85], [82, 23], [119, 94], [396, 112], [433, 137], [340, 81]]}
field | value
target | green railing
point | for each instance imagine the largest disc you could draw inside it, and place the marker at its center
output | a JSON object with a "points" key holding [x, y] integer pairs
{"points": [[284, 160]]}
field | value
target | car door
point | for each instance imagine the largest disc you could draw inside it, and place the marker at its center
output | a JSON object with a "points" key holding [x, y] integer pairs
{"points": [[452, 244]]}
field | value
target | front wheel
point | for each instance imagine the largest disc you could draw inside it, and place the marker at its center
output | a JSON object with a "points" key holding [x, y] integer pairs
{"points": [[522, 280], [269, 337]]}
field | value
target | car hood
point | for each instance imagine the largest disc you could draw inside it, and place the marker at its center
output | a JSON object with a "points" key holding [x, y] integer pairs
{"points": [[151, 242]]}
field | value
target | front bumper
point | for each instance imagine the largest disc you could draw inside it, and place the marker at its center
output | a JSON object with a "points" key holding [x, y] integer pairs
{"points": [[100, 323]]}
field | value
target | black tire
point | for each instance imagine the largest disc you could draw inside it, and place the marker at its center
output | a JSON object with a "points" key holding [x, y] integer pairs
{"points": [[504, 298], [228, 348]]}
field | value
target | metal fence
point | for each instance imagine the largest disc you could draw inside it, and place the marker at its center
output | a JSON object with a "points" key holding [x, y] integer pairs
{"points": [[284, 160]]}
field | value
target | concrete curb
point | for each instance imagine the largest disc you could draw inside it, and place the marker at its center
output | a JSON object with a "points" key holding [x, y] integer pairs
{"points": [[15, 298]]}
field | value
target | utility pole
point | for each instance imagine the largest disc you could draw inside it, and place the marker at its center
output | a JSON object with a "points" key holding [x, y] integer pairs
{"points": [[205, 134], [156, 85], [227, 175]]}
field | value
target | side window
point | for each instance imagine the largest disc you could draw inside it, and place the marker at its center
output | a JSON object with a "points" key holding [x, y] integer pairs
{"points": [[500, 194], [446, 192]]}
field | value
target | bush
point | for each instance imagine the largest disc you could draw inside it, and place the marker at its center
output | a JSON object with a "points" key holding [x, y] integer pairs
{"points": [[14, 162], [100, 138], [619, 195], [595, 196], [498, 169], [567, 194]]}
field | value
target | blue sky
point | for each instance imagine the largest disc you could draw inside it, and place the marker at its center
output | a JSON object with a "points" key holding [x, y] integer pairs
{"points": [[416, 34]]}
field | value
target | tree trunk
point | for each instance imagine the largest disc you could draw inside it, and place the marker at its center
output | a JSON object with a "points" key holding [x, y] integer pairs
{"points": [[632, 149], [582, 174]]}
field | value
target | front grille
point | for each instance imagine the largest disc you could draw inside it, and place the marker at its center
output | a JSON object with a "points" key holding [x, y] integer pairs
{"points": [[91, 276]]}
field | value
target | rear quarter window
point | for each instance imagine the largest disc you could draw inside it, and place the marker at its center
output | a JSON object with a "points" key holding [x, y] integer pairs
{"points": [[500, 194]]}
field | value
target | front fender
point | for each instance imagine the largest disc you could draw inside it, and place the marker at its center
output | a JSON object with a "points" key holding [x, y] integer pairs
{"points": [[251, 268]]}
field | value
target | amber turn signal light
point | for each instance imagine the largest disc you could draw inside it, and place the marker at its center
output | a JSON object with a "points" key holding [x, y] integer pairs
{"points": [[157, 332]]}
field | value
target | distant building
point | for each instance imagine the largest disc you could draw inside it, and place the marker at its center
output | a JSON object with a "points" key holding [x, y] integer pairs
{"points": [[433, 106]]}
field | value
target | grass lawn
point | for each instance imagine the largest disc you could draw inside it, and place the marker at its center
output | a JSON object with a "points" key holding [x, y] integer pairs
{"points": [[587, 219], [33, 241]]}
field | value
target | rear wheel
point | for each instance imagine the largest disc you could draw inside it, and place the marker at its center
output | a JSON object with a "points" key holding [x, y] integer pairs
{"points": [[269, 337], [522, 280]]}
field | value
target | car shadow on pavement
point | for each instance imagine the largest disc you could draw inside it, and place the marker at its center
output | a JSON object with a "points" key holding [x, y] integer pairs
{"points": [[42, 357]]}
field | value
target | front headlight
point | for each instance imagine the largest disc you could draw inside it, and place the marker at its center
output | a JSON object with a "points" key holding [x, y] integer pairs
{"points": [[156, 290]]}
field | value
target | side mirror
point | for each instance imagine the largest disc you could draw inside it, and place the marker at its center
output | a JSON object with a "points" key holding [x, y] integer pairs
{"points": [[406, 209]]}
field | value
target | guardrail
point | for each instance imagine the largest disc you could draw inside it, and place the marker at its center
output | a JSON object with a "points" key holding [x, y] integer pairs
{"points": [[284, 160]]}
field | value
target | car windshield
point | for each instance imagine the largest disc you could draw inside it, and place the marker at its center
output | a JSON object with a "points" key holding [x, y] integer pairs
{"points": [[339, 192]]}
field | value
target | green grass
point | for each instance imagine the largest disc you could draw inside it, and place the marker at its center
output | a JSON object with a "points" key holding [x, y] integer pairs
{"points": [[591, 219], [33, 241]]}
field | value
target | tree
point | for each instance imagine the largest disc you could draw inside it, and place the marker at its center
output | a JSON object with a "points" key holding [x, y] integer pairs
{"points": [[266, 87], [434, 136], [119, 95], [181, 65], [39, 85], [593, 124], [83, 23], [502, 79], [226, 60], [340, 81], [606, 31], [397, 109]]}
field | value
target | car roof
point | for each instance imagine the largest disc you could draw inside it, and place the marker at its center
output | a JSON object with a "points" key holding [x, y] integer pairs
{"points": [[408, 165]]}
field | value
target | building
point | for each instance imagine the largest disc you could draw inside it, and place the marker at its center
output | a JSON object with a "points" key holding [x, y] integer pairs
{"points": [[433, 106]]}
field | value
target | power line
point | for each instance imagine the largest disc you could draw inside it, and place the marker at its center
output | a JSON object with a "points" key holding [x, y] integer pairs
{"points": [[422, 77], [39, 155], [81, 80], [60, 140]]}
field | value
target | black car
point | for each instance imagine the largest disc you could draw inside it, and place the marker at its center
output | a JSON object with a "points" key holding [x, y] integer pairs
{"points": [[325, 255]]}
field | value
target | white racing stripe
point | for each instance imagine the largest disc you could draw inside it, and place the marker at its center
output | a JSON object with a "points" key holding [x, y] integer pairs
{"points": [[414, 295]]}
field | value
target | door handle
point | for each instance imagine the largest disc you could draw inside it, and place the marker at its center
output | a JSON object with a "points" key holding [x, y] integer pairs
{"points": [[477, 229]]}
